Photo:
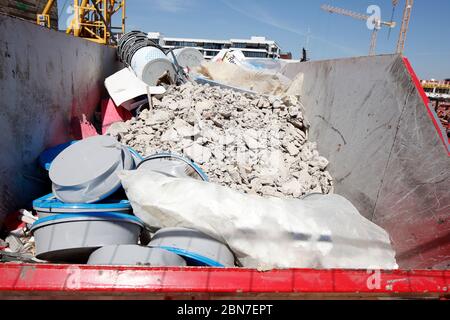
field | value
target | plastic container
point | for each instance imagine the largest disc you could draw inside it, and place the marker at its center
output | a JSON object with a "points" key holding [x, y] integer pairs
{"points": [[86, 172], [173, 165], [46, 158], [49, 205], [150, 64], [135, 255], [73, 237], [136, 156], [197, 248], [126, 41], [187, 57]]}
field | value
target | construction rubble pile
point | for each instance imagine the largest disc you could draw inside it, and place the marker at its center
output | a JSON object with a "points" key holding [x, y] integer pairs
{"points": [[251, 143], [18, 243], [191, 171]]}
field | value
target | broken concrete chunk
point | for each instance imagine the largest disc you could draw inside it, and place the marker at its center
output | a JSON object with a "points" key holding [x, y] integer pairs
{"points": [[203, 105], [170, 135], [117, 128], [158, 116], [319, 162], [218, 154], [290, 100], [293, 187], [184, 129], [292, 149], [250, 143], [198, 153]]}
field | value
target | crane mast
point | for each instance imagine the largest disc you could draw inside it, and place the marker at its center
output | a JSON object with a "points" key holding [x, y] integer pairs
{"points": [[43, 18], [93, 20], [377, 23], [405, 25]]}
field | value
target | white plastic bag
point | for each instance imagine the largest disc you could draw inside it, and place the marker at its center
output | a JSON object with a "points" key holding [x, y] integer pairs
{"points": [[264, 233]]}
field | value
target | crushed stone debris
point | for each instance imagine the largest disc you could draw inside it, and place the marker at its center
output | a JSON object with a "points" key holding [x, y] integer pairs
{"points": [[252, 143]]}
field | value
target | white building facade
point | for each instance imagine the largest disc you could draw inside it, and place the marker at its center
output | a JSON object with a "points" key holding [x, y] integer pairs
{"points": [[255, 47]]}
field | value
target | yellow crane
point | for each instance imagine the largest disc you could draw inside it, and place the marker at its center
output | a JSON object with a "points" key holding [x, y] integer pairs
{"points": [[377, 23], [43, 18], [93, 20]]}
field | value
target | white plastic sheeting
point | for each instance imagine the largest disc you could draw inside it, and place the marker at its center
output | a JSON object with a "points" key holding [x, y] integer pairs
{"points": [[264, 233]]}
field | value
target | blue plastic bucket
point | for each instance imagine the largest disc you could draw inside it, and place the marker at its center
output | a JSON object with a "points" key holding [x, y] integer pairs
{"points": [[46, 158]]}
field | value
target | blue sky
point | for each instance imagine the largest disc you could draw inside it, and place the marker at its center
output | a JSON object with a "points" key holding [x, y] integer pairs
{"points": [[296, 23]]}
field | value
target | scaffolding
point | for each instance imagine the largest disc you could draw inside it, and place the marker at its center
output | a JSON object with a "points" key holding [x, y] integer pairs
{"points": [[93, 20]]}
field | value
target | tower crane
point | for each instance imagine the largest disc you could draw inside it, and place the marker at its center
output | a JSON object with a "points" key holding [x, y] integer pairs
{"points": [[405, 24], [93, 20], [43, 18], [377, 23]]}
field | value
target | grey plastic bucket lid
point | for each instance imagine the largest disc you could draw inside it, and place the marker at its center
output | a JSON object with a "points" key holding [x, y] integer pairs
{"points": [[49, 203], [46, 158], [86, 172], [135, 255], [187, 57], [173, 165]]}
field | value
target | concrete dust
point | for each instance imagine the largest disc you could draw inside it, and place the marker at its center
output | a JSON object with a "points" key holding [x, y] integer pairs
{"points": [[233, 75]]}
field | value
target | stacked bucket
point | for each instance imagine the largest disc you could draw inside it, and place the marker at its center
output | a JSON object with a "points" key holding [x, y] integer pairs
{"points": [[87, 218]]}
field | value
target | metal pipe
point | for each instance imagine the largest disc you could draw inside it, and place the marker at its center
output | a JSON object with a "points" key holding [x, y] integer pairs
{"points": [[48, 6]]}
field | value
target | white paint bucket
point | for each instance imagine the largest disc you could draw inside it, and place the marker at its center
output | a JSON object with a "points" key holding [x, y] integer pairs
{"points": [[150, 64], [187, 57]]}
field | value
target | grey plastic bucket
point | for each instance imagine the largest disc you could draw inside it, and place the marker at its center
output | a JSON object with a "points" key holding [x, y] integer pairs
{"points": [[72, 238], [150, 64], [135, 255], [187, 57], [86, 172], [197, 248]]}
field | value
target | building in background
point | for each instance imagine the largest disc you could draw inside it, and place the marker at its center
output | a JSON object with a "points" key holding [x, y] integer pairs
{"points": [[439, 94], [439, 90], [255, 47], [286, 55]]}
